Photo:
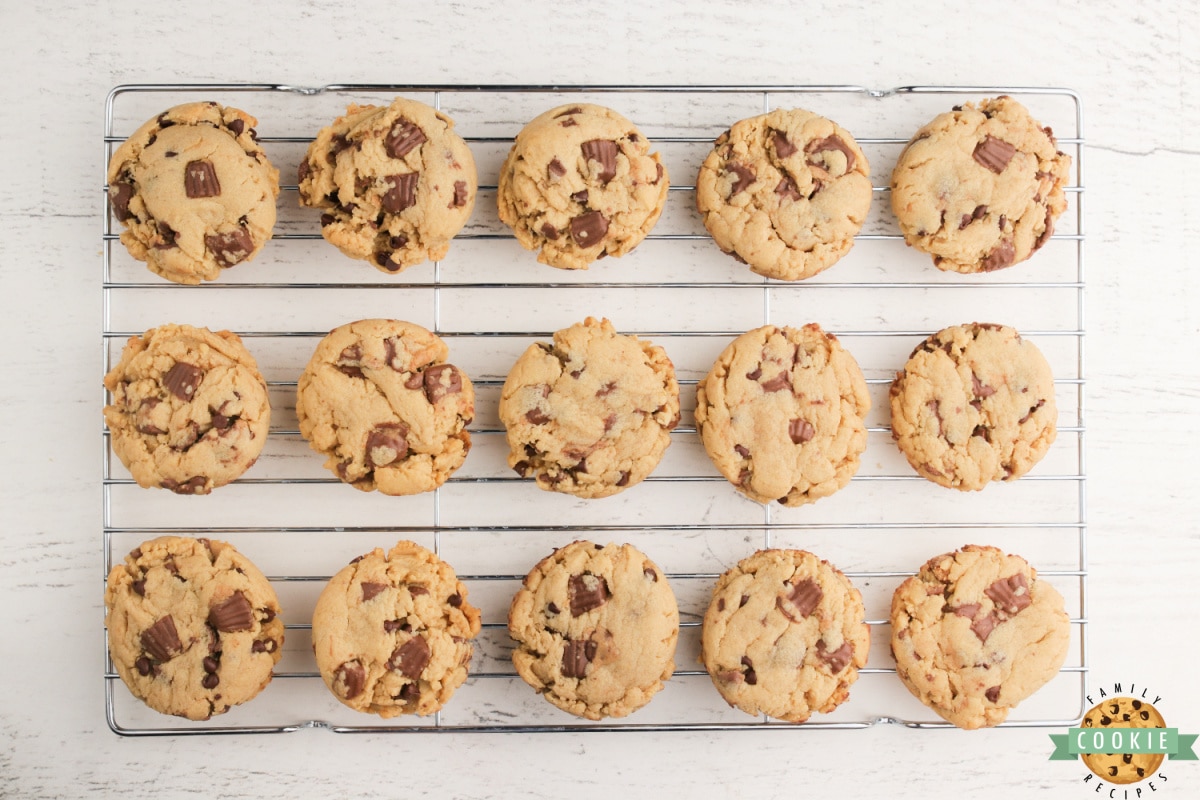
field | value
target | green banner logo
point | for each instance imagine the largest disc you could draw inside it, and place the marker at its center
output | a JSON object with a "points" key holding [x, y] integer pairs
{"points": [[1168, 741]]}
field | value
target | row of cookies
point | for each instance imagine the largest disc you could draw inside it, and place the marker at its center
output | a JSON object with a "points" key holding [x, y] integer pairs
{"points": [[781, 413], [978, 188], [194, 628]]}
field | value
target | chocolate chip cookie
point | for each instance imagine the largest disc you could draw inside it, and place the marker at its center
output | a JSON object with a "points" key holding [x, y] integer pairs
{"points": [[974, 404], [392, 632], [979, 187], [596, 628], [785, 193], [975, 632], [394, 184], [590, 414], [193, 626], [379, 401], [194, 191], [1123, 712], [782, 414], [580, 183], [189, 408]]}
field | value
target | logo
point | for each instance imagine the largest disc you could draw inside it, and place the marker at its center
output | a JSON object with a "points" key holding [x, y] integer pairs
{"points": [[1123, 740]]}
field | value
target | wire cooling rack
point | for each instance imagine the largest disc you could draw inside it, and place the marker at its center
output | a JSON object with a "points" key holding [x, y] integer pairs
{"points": [[489, 299]]}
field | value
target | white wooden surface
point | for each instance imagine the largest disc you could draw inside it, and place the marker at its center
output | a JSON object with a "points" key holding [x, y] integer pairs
{"points": [[1135, 66]]}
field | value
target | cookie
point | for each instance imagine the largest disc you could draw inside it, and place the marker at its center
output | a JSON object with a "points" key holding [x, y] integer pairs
{"points": [[595, 628], [1123, 712], [590, 414], [193, 626], [379, 401], [194, 191], [784, 635], [782, 414], [189, 408], [975, 632], [785, 193], [979, 187], [974, 404], [580, 183], [394, 184], [392, 632]]}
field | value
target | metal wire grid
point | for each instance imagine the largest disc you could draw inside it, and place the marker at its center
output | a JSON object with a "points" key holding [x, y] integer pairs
{"points": [[113, 288]]}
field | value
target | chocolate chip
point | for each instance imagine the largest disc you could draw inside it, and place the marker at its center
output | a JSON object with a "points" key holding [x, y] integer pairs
{"points": [[402, 138], [370, 589], [586, 592], [745, 177], [442, 380], [410, 658], [393, 625], [994, 153], [980, 388], [827, 145], [386, 444], [535, 417], [658, 173], [623, 480], [745, 599], [983, 627], [139, 587], [576, 657], [742, 451], [1046, 233], [555, 169], [787, 188], [755, 374], [570, 122], [568, 111], [783, 147], [263, 646], [210, 664], [1137, 704], [751, 676], [604, 152], [580, 197], [651, 574], [230, 248], [349, 361], [119, 194], [237, 126], [720, 604], [232, 614], [455, 600], [410, 693], [200, 180], [350, 679], [553, 608], [977, 214], [778, 383], [194, 485], [837, 659], [161, 640], [460, 195], [143, 666], [402, 194], [1002, 255], [1011, 594], [210, 681], [589, 228], [166, 236], [992, 694], [417, 590], [336, 145], [801, 431], [804, 596], [607, 389], [549, 231]]}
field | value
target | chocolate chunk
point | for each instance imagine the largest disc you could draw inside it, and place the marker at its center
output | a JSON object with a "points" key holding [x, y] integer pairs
{"points": [[200, 180], [994, 153], [586, 592], [801, 431], [232, 614], [139, 587], [977, 214], [230, 248], [415, 381], [166, 236], [194, 485], [750, 676], [402, 194], [783, 147], [549, 231], [535, 417], [755, 374], [397, 241], [442, 380], [386, 444], [402, 138], [410, 658], [460, 195], [142, 419], [576, 657], [829, 144], [410, 693], [980, 388], [566, 112], [983, 627], [658, 173], [570, 122], [607, 389], [1011, 595], [393, 625], [745, 177], [349, 361], [417, 590], [336, 145], [741, 450], [651, 574], [161, 640], [370, 589], [604, 152], [623, 480], [1002, 255], [745, 599], [589, 228], [787, 188], [968, 610], [580, 197], [992, 694], [327, 220], [838, 659], [221, 422], [350, 679], [1046, 233], [778, 383], [183, 379], [390, 358], [237, 126], [119, 194], [804, 596], [555, 169], [264, 646]]}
